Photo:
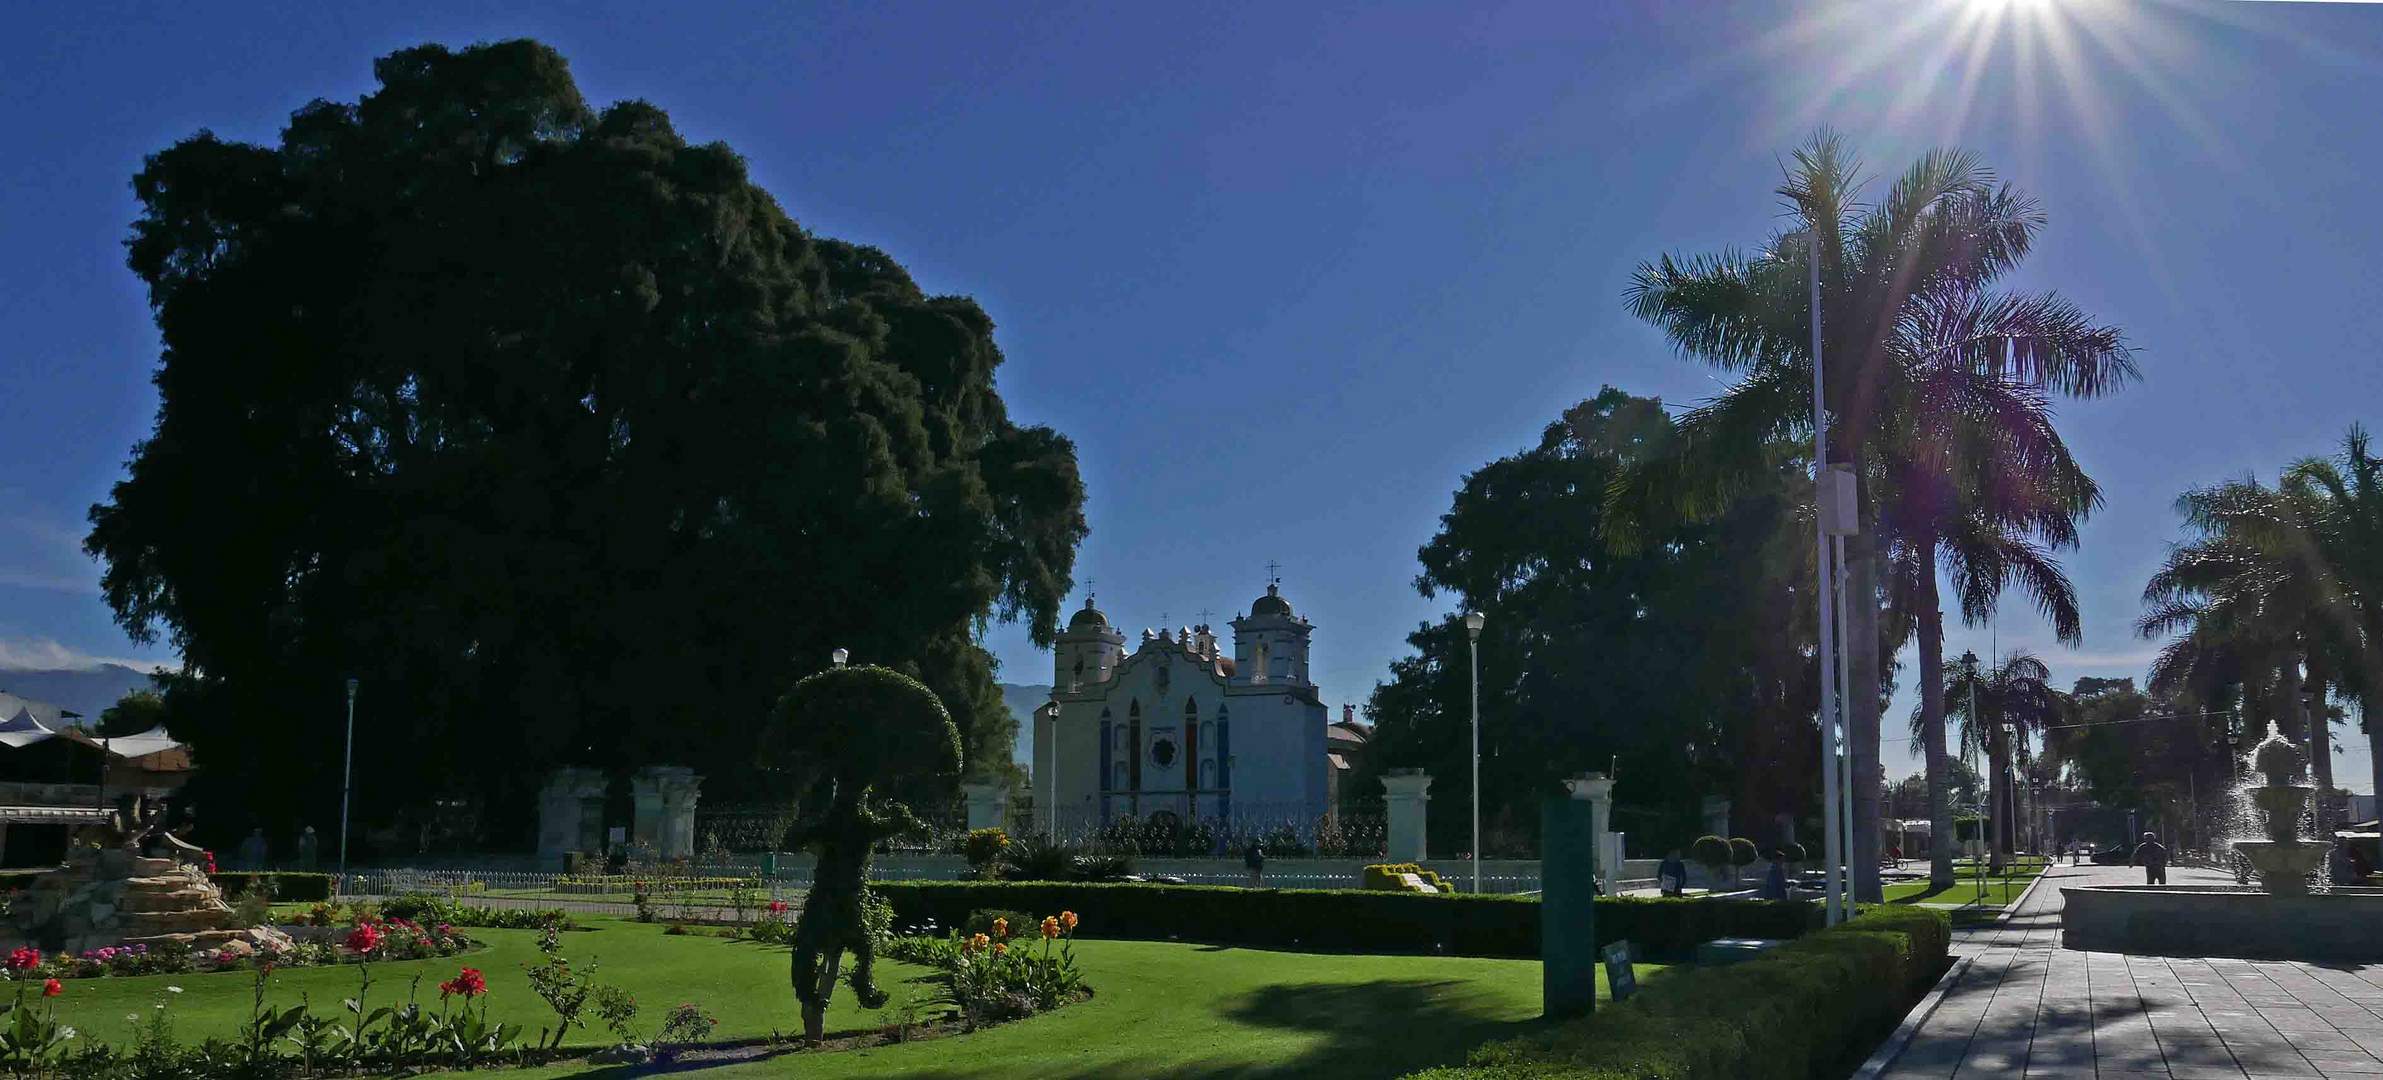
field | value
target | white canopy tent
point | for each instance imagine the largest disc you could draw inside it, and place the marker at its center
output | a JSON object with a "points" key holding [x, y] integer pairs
{"points": [[23, 730]]}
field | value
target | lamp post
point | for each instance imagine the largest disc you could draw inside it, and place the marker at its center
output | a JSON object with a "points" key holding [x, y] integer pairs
{"points": [[1833, 821], [1473, 623], [347, 782], [839, 656]]}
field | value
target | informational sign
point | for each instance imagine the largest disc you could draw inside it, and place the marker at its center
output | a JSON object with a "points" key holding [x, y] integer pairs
{"points": [[1617, 970], [619, 835]]}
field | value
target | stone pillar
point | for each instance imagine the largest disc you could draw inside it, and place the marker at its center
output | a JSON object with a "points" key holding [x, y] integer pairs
{"points": [[665, 796], [1597, 791], [1716, 815], [988, 805], [1406, 791], [1568, 830], [563, 806]]}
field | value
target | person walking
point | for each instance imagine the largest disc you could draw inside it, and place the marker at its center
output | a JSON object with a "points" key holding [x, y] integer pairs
{"points": [[1774, 883], [2153, 858], [252, 850], [1672, 873], [309, 849], [1255, 860]]}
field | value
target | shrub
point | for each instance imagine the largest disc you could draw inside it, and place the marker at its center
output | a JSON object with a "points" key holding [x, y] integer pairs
{"points": [[1710, 852], [289, 887], [432, 909], [1742, 852], [1033, 858], [1386, 876], [984, 920], [1465, 924], [983, 849], [1808, 1008], [1796, 853]]}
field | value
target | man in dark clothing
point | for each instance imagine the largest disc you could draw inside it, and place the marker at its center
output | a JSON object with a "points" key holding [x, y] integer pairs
{"points": [[1774, 883], [1672, 874], [1255, 860], [2153, 858]]}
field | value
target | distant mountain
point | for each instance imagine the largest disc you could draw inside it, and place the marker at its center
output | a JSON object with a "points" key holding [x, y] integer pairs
{"points": [[85, 691], [1022, 701]]}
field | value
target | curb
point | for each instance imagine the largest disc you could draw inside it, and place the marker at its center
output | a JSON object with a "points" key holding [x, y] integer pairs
{"points": [[1896, 1043]]}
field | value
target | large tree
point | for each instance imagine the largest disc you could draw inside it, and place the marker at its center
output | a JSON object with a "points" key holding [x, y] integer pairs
{"points": [[1685, 659], [557, 433], [1910, 326]]}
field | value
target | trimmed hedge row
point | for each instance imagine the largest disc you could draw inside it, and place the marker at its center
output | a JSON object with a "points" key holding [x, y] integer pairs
{"points": [[1812, 1007], [296, 887], [1358, 920]]}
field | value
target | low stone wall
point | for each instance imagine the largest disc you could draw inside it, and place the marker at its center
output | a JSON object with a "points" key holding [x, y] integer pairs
{"points": [[2216, 920]]}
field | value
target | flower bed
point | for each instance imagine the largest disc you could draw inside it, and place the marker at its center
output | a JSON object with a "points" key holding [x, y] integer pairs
{"points": [[999, 974], [372, 937], [1464, 924], [606, 884]]}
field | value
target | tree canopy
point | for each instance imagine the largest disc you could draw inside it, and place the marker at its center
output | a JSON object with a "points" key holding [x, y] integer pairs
{"points": [[1686, 657], [557, 433]]}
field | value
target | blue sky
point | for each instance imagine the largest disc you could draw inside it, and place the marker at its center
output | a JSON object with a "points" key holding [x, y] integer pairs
{"points": [[1286, 272]]}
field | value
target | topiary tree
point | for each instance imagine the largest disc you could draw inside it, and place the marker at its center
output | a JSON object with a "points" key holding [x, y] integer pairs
{"points": [[859, 742], [1712, 853], [1795, 853], [1742, 854]]}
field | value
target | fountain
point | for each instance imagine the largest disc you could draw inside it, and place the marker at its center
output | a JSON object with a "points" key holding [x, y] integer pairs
{"points": [[2282, 919], [2283, 861]]}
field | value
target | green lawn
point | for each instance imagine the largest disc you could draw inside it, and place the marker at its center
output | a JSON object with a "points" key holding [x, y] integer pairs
{"points": [[1999, 892], [1159, 1008]]}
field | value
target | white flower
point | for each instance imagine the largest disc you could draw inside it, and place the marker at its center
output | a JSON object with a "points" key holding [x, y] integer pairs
{"points": [[134, 1017], [173, 989], [66, 1034]]}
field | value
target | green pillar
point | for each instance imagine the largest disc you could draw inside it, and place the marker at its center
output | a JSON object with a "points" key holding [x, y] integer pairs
{"points": [[1568, 907]]}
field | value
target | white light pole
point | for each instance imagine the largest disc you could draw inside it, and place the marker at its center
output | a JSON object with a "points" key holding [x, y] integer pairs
{"points": [[1833, 848], [839, 656], [347, 783], [1473, 622]]}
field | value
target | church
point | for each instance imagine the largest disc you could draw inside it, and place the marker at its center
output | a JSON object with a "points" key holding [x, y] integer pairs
{"points": [[1180, 728]]}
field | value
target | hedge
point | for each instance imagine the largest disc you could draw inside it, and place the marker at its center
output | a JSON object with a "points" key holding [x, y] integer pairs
{"points": [[1812, 1007], [1376, 921], [290, 887]]}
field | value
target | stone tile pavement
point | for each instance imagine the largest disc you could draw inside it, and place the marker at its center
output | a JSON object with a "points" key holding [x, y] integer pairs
{"points": [[2025, 1007]]}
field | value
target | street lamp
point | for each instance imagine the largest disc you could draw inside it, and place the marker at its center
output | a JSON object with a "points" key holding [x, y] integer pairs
{"points": [[839, 656], [347, 783], [1833, 514], [1473, 623]]}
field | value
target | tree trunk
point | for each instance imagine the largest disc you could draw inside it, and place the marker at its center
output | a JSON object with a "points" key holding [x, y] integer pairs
{"points": [[1861, 710], [1998, 793], [1940, 770], [815, 1017], [2320, 728]]}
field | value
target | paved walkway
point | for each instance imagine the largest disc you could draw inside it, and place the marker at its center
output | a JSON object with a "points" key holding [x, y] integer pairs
{"points": [[2028, 1008]]}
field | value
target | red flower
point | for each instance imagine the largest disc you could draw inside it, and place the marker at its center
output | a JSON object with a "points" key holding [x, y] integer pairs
{"points": [[24, 959], [777, 907], [364, 938], [468, 982], [52, 988]]}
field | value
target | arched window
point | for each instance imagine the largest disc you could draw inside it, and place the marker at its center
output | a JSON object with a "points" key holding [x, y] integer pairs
{"points": [[1224, 748], [1108, 749], [1191, 742], [1133, 745], [1207, 774]]}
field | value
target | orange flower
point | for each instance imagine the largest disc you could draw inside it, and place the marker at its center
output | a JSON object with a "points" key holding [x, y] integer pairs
{"points": [[1000, 947], [1000, 928], [976, 943], [1068, 919], [1050, 927]]}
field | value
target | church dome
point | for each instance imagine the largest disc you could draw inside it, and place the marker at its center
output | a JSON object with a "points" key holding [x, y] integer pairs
{"points": [[1271, 604], [1088, 619]]}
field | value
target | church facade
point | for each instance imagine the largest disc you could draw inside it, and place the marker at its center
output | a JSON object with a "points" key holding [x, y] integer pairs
{"points": [[1180, 727]]}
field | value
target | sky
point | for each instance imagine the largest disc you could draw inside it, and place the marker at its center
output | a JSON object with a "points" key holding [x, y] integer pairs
{"points": [[1286, 273]]}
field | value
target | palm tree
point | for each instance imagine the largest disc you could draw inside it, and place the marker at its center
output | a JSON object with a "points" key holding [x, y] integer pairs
{"points": [[2255, 600], [2345, 499], [1986, 548], [1914, 337], [1999, 708]]}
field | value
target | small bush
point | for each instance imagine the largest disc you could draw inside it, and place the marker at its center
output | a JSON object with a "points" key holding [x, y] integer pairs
{"points": [[983, 849], [1387, 876], [1013, 923], [1742, 852], [1711, 852]]}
